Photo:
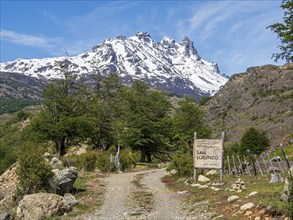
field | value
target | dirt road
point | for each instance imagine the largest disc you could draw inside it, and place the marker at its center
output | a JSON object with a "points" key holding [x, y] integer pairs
{"points": [[139, 195]]}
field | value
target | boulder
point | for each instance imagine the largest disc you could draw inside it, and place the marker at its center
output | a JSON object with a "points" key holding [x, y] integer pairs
{"points": [[69, 200], [232, 198], [5, 216], [247, 206], [203, 179], [63, 180], [41, 205], [211, 173], [284, 197], [252, 193], [56, 163], [8, 186], [276, 178]]}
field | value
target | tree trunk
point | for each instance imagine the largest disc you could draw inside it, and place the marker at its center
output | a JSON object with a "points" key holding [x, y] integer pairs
{"points": [[60, 147], [143, 154], [149, 159]]}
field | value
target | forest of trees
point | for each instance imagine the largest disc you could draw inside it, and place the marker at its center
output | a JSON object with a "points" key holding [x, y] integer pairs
{"points": [[112, 114]]}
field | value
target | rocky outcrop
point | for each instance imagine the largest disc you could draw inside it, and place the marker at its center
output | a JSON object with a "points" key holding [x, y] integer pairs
{"points": [[40, 205], [262, 97], [8, 185]]}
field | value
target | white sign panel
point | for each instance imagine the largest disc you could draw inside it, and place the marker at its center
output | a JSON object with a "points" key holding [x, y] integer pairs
{"points": [[208, 153]]}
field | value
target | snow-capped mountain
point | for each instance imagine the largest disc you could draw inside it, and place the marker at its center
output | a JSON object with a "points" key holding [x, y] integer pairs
{"points": [[175, 67]]}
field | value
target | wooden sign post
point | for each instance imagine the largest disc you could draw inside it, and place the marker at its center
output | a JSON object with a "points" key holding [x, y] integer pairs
{"points": [[208, 153]]}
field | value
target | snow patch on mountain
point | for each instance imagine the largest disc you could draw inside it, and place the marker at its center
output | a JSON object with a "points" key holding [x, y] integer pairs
{"points": [[165, 64]]}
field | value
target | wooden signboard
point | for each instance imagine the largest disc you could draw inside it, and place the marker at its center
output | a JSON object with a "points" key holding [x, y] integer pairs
{"points": [[208, 153]]}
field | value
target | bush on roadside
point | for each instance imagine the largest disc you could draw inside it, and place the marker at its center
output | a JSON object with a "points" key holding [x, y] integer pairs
{"points": [[33, 172], [182, 162], [103, 162], [127, 159], [88, 161]]}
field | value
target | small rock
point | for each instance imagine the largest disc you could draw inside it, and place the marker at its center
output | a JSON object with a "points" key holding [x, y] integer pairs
{"points": [[173, 172], [182, 192], [195, 185], [240, 181], [247, 213], [284, 197], [276, 178], [211, 173], [56, 163], [247, 206], [203, 187], [216, 189], [204, 179], [257, 218], [253, 193], [219, 216], [233, 198]]}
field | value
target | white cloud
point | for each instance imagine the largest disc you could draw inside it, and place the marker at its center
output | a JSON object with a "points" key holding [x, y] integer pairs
{"points": [[28, 40]]}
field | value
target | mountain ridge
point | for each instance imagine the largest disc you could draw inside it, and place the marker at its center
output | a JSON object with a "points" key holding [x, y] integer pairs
{"points": [[261, 97], [175, 67]]}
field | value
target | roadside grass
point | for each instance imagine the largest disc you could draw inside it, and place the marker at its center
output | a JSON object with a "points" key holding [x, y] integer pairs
{"points": [[268, 195], [89, 192], [143, 199]]}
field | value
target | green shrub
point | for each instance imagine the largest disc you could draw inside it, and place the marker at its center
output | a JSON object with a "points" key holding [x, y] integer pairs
{"points": [[183, 163], [88, 160], [127, 159], [253, 140], [103, 162], [33, 172]]}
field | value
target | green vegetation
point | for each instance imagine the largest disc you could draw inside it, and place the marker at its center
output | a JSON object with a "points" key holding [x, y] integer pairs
{"points": [[253, 140], [11, 138], [182, 163], [33, 172], [285, 32], [115, 115], [14, 105], [268, 195]]}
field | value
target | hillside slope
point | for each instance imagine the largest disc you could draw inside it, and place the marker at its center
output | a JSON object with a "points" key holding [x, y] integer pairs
{"points": [[262, 97]]}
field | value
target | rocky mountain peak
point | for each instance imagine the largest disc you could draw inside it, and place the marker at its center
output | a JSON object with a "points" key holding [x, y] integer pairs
{"points": [[166, 41], [175, 67], [144, 36]]}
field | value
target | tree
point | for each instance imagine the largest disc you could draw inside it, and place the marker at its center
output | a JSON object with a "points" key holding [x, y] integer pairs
{"points": [[62, 119], [253, 140], [106, 107], [144, 120], [285, 33], [187, 119]]}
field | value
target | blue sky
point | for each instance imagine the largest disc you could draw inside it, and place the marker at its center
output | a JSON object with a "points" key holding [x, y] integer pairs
{"points": [[230, 33]]}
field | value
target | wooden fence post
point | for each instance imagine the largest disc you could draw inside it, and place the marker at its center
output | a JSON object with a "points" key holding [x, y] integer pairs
{"points": [[271, 163], [194, 171], [257, 163], [251, 160], [264, 162], [240, 164], [286, 159], [228, 164], [247, 166]]}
